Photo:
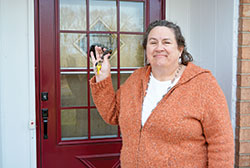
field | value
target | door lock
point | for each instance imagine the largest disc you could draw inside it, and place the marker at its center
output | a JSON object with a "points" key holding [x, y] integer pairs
{"points": [[44, 96]]}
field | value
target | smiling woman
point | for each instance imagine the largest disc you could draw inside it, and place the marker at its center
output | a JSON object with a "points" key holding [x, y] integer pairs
{"points": [[169, 110], [163, 53]]}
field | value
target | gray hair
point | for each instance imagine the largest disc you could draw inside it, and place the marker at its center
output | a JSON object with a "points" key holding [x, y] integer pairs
{"points": [[185, 56]]}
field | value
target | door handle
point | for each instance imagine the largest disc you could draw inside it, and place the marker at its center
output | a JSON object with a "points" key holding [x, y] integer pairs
{"points": [[45, 122]]}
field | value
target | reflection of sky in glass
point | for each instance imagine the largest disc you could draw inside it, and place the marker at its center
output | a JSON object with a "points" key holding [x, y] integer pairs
{"points": [[132, 16], [73, 90], [72, 42], [100, 129], [73, 14], [72, 2], [105, 11], [71, 50], [132, 54], [74, 124], [101, 0]]}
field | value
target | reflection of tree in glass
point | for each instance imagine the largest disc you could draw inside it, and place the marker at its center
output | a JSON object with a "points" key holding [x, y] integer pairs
{"points": [[132, 55], [73, 90], [128, 22], [107, 16], [72, 17], [70, 51]]}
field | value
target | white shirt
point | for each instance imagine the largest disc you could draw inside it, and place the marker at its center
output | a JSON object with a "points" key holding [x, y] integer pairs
{"points": [[155, 92]]}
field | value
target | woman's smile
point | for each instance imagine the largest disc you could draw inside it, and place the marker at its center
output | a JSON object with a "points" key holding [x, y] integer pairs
{"points": [[160, 55]]}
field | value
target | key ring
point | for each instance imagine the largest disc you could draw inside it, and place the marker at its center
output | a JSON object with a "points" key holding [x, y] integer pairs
{"points": [[98, 64]]}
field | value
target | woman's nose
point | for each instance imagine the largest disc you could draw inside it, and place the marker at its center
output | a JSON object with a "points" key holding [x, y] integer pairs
{"points": [[159, 47]]}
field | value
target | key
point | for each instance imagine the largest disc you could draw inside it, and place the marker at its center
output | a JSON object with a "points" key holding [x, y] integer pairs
{"points": [[98, 67], [98, 64]]}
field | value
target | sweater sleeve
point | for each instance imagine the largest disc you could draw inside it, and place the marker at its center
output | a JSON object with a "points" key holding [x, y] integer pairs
{"points": [[105, 99], [217, 125]]}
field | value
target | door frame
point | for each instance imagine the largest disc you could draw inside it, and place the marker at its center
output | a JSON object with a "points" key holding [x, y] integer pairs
{"points": [[39, 26]]}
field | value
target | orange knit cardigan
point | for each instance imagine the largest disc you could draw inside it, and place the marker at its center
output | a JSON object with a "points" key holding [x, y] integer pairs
{"points": [[189, 128]]}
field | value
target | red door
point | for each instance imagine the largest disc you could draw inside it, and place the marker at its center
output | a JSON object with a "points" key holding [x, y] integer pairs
{"points": [[70, 131]]}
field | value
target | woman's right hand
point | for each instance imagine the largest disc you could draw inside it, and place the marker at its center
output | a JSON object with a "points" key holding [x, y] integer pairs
{"points": [[104, 72]]}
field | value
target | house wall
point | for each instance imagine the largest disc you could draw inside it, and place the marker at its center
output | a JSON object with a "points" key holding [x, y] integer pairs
{"points": [[17, 84], [243, 88], [211, 32], [210, 29]]}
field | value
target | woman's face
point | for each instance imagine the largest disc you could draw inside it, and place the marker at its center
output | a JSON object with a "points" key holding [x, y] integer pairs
{"points": [[162, 49]]}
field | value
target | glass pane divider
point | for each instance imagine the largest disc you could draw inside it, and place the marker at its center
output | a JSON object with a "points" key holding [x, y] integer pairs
{"points": [[88, 66], [91, 69], [73, 31], [79, 107], [74, 72], [92, 32], [132, 33], [58, 76], [122, 71], [102, 32], [89, 141], [74, 138], [103, 136], [112, 72], [73, 68], [99, 32], [134, 0], [118, 52]]}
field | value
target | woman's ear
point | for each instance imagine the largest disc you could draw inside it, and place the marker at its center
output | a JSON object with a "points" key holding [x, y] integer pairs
{"points": [[181, 48]]}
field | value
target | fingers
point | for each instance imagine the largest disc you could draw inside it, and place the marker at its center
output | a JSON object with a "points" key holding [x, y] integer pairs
{"points": [[98, 52], [106, 57], [92, 57], [96, 57], [93, 60], [100, 55]]}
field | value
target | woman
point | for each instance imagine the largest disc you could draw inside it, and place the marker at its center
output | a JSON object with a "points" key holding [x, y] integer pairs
{"points": [[171, 112]]}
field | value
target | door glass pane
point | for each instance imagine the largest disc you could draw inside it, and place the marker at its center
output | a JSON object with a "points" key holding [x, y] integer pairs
{"points": [[103, 15], [132, 16], [109, 41], [73, 50], [132, 53], [73, 14], [74, 90], [114, 82], [124, 77], [99, 128], [74, 124]]}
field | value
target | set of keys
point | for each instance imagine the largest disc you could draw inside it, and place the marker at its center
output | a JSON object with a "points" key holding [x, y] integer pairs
{"points": [[98, 64]]}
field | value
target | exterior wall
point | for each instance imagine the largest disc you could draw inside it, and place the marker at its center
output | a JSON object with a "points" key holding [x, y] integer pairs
{"points": [[17, 84], [210, 29], [243, 88]]}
